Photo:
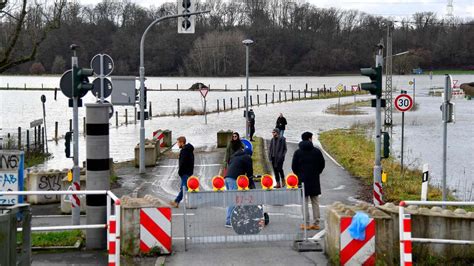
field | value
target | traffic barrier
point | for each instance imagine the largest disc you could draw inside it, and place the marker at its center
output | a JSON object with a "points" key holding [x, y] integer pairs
{"points": [[378, 194], [218, 183], [159, 136], [404, 222], [267, 182], [256, 216], [357, 252], [291, 181], [193, 184], [242, 182], [112, 237], [155, 229]]}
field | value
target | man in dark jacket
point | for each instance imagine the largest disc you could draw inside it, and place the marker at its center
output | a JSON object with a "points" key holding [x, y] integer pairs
{"points": [[281, 124], [251, 124], [240, 164], [186, 167], [276, 154], [308, 163]]}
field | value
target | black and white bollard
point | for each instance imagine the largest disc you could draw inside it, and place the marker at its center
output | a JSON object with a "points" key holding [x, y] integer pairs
{"points": [[98, 171]]}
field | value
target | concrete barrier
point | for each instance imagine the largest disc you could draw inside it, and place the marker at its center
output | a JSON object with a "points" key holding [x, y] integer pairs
{"points": [[223, 138], [44, 181], [150, 155], [130, 233]]}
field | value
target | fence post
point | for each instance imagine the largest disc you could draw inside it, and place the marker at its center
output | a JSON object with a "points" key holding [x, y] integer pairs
{"points": [[149, 111], [273, 87], [161, 87], [279, 96], [266, 99], [305, 94], [318, 93], [285, 97], [292, 98], [36, 135], [238, 102], [231, 104], [19, 138], [245, 102], [135, 112], [225, 87], [299, 94], [177, 86], [251, 102], [306, 87], [257, 87], [179, 109], [27, 141], [126, 116], [273, 97], [70, 125], [56, 131], [241, 87], [218, 105], [84, 126], [223, 103], [116, 118], [258, 99]]}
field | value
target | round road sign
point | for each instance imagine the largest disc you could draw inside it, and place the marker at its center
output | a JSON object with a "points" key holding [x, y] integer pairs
{"points": [[107, 87], [108, 66], [66, 84], [403, 102]]}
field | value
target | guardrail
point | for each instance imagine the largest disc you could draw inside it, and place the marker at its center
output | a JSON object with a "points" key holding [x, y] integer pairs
{"points": [[405, 229], [112, 225]]}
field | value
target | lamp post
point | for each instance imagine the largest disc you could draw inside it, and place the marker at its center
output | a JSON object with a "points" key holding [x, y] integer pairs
{"points": [[247, 43]]}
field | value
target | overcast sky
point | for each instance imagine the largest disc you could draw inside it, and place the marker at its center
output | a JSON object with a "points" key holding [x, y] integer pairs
{"points": [[398, 8]]}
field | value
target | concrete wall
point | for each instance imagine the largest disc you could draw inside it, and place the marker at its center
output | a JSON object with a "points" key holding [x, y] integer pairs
{"points": [[223, 138], [130, 233]]}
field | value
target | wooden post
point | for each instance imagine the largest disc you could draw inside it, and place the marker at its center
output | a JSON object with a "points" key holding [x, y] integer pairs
{"points": [[19, 138], [258, 99], [149, 111], [179, 109], [231, 107], [279, 96], [299, 94], [266, 99], [84, 126], [27, 141], [238, 102], [292, 96], [251, 102], [285, 97], [305, 94], [70, 125], [223, 103], [56, 124], [218, 105], [126, 116], [116, 118]]}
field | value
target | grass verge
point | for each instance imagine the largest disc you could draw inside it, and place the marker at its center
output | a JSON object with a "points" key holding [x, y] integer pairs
{"points": [[55, 239], [36, 158], [348, 108], [258, 157], [355, 153]]}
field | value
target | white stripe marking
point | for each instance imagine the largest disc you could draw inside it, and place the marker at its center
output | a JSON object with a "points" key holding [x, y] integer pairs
{"points": [[363, 253], [149, 240], [345, 238], [111, 258], [159, 219]]}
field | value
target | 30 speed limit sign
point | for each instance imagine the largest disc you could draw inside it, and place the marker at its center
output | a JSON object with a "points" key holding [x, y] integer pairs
{"points": [[403, 102]]}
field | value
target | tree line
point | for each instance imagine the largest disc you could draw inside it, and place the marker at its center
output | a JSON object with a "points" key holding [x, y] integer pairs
{"points": [[290, 39]]}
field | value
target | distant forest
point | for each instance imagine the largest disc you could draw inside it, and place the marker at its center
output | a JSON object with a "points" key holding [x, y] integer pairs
{"points": [[290, 39]]}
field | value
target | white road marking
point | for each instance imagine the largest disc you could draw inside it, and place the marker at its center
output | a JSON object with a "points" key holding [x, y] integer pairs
{"points": [[341, 187]]}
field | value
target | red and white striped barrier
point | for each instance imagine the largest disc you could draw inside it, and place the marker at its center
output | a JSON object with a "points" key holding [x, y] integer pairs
{"points": [[113, 229], [378, 194], [155, 229], [357, 252], [405, 241], [159, 135], [111, 240], [76, 202]]}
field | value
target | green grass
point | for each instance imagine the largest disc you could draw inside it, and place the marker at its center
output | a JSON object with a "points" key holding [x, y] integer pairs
{"points": [[258, 158], [55, 239], [355, 153], [451, 71], [36, 158], [348, 108]]}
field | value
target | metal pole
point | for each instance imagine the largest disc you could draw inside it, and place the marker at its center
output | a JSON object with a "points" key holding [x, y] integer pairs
{"points": [[44, 122], [101, 76], [76, 210], [205, 111], [414, 90], [247, 92], [142, 84], [445, 132], [403, 134], [378, 133]]}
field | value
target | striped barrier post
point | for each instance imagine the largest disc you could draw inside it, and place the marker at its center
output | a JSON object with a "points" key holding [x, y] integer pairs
{"points": [[405, 237], [378, 194], [155, 229], [357, 252], [111, 241], [159, 135]]}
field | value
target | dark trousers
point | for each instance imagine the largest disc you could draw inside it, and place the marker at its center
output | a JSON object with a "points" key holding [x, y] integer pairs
{"points": [[252, 131], [184, 183], [279, 175]]}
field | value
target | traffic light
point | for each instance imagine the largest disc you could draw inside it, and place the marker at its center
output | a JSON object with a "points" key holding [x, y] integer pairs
{"points": [[67, 144], [386, 145], [186, 23], [81, 81], [375, 75]]}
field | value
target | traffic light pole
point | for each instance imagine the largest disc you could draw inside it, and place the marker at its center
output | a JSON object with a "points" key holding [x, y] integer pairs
{"points": [[76, 173], [142, 84], [378, 192]]}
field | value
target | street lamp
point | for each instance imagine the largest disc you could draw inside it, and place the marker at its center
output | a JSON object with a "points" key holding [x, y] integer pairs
{"points": [[247, 43]]}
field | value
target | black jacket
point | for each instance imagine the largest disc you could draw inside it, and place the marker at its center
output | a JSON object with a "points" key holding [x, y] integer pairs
{"points": [[240, 164], [281, 123], [308, 163], [186, 160]]}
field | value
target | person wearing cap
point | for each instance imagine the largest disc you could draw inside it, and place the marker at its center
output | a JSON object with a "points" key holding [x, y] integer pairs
{"points": [[308, 163], [276, 153], [240, 163], [251, 124]]}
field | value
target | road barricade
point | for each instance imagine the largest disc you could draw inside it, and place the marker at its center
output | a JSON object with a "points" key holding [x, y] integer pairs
{"points": [[256, 215]]}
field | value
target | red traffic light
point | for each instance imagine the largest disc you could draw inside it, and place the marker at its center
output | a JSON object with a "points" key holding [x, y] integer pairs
{"points": [[218, 183], [193, 184], [242, 182], [291, 181], [267, 182]]}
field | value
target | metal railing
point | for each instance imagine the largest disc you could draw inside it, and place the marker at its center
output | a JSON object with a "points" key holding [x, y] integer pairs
{"points": [[113, 236], [405, 229]]}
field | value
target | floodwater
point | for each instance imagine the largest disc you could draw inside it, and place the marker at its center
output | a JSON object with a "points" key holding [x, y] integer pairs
{"points": [[423, 127]]}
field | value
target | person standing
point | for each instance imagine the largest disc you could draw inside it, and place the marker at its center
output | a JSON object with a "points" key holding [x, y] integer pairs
{"points": [[281, 124], [276, 153], [308, 163], [186, 167], [240, 164], [234, 145], [251, 124]]}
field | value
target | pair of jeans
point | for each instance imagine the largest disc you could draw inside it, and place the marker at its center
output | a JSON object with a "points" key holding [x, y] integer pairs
{"points": [[314, 200], [230, 184], [278, 170], [282, 132], [184, 183]]}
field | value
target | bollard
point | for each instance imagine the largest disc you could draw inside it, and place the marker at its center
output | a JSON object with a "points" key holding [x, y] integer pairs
{"points": [[126, 116], [285, 97], [251, 102], [306, 87], [70, 125], [179, 109], [273, 97], [292, 98], [299, 94], [218, 105], [231, 107], [27, 141], [116, 118], [55, 93], [135, 112], [238, 102], [149, 111], [258, 100], [266, 99], [56, 131], [241, 87], [223, 103], [19, 138], [161, 87], [177, 87], [279, 96]]}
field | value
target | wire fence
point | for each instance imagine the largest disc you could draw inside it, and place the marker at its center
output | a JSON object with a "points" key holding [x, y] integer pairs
{"points": [[255, 215]]}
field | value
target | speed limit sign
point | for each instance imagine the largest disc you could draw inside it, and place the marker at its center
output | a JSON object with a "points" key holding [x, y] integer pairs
{"points": [[403, 102]]}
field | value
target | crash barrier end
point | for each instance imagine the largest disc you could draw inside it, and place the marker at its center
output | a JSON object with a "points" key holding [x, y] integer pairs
{"points": [[242, 182], [218, 183], [140, 217], [193, 184], [291, 181], [223, 138]]}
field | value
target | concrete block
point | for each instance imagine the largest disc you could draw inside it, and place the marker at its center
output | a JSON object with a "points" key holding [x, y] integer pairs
{"points": [[150, 155], [44, 181], [223, 138], [130, 233]]}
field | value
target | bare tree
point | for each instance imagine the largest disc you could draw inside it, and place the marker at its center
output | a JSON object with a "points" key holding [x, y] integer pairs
{"points": [[27, 28]]}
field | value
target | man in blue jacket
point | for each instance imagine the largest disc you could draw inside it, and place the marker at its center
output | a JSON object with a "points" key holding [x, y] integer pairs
{"points": [[186, 167]]}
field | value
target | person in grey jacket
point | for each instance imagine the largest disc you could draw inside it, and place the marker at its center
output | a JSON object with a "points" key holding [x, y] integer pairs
{"points": [[276, 153]]}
